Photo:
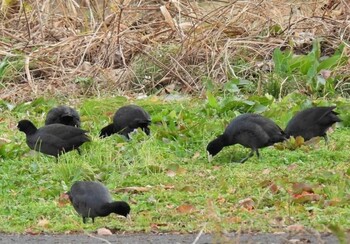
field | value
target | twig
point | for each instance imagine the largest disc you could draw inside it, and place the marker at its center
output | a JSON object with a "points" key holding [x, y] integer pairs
{"points": [[29, 77], [98, 238], [199, 235], [27, 22]]}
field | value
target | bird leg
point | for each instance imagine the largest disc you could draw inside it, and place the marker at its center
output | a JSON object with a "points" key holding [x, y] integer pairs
{"points": [[249, 156], [257, 153], [146, 130], [325, 138]]}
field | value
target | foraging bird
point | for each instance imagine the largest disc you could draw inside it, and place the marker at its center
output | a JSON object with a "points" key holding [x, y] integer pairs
{"points": [[63, 115], [126, 119], [312, 122], [250, 130], [54, 139], [91, 199]]}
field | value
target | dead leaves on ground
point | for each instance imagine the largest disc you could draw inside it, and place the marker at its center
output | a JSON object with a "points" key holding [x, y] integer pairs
{"points": [[43, 223], [175, 169], [186, 209], [294, 143], [300, 192], [247, 204], [133, 189], [303, 193], [63, 200]]}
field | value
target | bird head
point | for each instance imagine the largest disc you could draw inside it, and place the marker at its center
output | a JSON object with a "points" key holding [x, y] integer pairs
{"points": [[26, 126], [121, 208], [215, 146]]}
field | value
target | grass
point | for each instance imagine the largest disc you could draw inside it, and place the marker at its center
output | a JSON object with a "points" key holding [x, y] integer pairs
{"points": [[176, 189]]}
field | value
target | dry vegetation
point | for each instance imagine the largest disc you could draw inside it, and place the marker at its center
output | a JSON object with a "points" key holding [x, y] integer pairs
{"points": [[115, 46]]}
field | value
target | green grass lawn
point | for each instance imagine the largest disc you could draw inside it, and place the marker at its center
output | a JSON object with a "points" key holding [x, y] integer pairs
{"points": [[175, 187]]}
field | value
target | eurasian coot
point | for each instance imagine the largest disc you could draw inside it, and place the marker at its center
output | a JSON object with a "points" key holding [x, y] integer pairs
{"points": [[63, 115], [54, 139], [250, 130], [127, 119], [312, 122], [92, 199]]}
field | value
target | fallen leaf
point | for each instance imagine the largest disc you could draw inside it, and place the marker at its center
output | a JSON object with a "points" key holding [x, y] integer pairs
{"points": [[295, 228], [232, 220], [266, 171], [169, 187], [157, 225], [247, 203], [43, 223], [333, 202], [271, 185], [170, 173], [188, 189], [133, 189], [325, 73], [306, 197], [104, 232], [274, 188], [63, 200], [185, 208], [294, 240], [32, 232], [221, 200], [299, 187]]}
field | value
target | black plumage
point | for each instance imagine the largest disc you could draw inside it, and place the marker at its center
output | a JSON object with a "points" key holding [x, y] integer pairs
{"points": [[54, 139], [312, 122], [92, 199], [250, 130], [127, 119], [63, 115]]}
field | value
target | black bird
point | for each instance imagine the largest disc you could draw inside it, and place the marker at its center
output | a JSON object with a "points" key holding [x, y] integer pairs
{"points": [[126, 119], [54, 139], [91, 199], [250, 130], [312, 122], [63, 115]]}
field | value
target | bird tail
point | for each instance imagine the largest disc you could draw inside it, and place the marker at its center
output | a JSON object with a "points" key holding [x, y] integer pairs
{"points": [[107, 131]]}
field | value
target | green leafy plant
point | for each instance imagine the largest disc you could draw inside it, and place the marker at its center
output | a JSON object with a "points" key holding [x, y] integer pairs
{"points": [[309, 67]]}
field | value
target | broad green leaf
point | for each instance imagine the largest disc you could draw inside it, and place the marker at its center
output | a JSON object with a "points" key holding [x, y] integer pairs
{"points": [[316, 49], [281, 60], [231, 86], [212, 100], [330, 62]]}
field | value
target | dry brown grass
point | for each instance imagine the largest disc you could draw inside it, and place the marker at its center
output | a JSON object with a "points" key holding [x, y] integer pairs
{"points": [[60, 41]]}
